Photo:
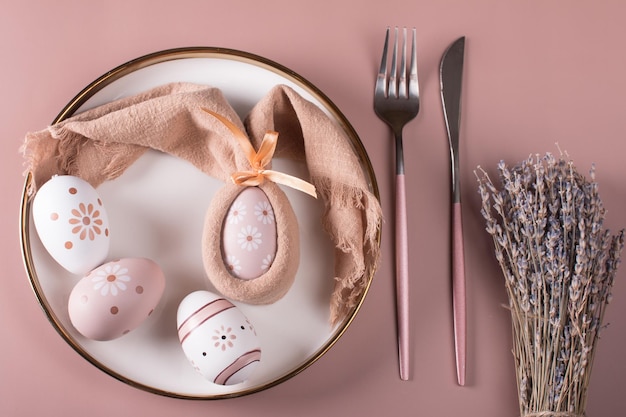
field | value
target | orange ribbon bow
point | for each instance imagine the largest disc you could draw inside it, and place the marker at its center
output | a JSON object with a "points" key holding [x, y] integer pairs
{"points": [[258, 161]]}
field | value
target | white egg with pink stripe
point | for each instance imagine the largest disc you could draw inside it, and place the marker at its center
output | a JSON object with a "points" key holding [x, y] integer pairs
{"points": [[217, 338]]}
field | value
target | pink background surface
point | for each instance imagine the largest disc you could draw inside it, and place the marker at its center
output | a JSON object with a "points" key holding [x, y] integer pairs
{"points": [[537, 73]]}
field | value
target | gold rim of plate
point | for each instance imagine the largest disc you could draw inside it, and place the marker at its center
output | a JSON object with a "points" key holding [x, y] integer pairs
{"points": [[156, 58]]}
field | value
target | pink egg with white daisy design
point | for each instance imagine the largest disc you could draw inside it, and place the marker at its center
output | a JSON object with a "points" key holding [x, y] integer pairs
{"points": [[72, 223], [116, 298], [217, 338], [249, 234]]}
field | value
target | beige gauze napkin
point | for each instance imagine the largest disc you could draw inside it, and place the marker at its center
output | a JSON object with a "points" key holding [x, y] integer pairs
{"points": [[99, 144]]}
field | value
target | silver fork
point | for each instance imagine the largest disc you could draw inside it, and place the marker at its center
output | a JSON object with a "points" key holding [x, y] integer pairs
{"points": [[396, 102]]}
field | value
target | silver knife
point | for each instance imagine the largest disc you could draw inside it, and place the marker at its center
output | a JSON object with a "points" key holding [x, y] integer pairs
{"points": [[451, 76]]}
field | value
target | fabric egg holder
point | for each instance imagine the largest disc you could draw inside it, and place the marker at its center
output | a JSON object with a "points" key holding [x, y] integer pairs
{"points": [[253, 191]]}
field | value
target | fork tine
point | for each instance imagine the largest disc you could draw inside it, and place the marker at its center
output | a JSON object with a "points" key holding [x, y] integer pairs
{"points": [[393, 86], [381, 81], [413, 81], [402, 90]]}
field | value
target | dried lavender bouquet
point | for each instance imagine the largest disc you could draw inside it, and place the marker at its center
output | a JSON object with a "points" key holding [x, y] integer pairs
{"points": [[559, 265]]}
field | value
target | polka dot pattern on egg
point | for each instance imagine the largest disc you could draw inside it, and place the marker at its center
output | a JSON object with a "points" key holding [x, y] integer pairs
{"points": [[72, 223], [115, 298]]}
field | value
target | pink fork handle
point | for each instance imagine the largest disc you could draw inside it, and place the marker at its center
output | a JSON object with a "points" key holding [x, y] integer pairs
{"points": [[402, 278], [458, 292]]}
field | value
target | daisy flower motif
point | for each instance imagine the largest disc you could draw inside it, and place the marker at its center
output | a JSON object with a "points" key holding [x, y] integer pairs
{"points": [[236, 213], [111, 279], [86, 221], [263, 212], [267, 262], [223, 338], [249, 238], [251, 327], [233, 264]]}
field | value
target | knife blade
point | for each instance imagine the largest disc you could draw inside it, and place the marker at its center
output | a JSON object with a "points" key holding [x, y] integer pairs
{"points": [[451, 78]]}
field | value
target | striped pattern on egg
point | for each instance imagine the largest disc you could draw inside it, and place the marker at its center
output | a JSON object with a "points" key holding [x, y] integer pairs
{"points": [[217, 338], [72, 223]]}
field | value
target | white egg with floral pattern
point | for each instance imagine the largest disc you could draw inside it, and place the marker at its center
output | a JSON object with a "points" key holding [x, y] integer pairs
{"points": [[116, 298], [72, 223], [217, 338], [249, 234]]}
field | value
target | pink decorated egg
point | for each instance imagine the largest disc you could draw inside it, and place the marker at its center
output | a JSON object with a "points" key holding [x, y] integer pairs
{"points": [[249, 234], [115, 298], [72, 223], [217, 338]]}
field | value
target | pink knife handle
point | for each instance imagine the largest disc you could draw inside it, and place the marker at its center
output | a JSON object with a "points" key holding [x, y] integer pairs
{"points": [[458, 291], [402, 278]]}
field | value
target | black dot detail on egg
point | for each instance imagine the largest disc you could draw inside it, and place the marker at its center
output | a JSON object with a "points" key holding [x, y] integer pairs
{"points": [[203, 353], [243, 327], [223, 337]]}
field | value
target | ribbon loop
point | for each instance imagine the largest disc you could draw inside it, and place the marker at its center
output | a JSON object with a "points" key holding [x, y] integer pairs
{"points": [[258, 160]]}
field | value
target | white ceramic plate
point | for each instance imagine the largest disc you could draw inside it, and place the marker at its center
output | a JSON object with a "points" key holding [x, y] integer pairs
{"points": [[156, 210]]}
